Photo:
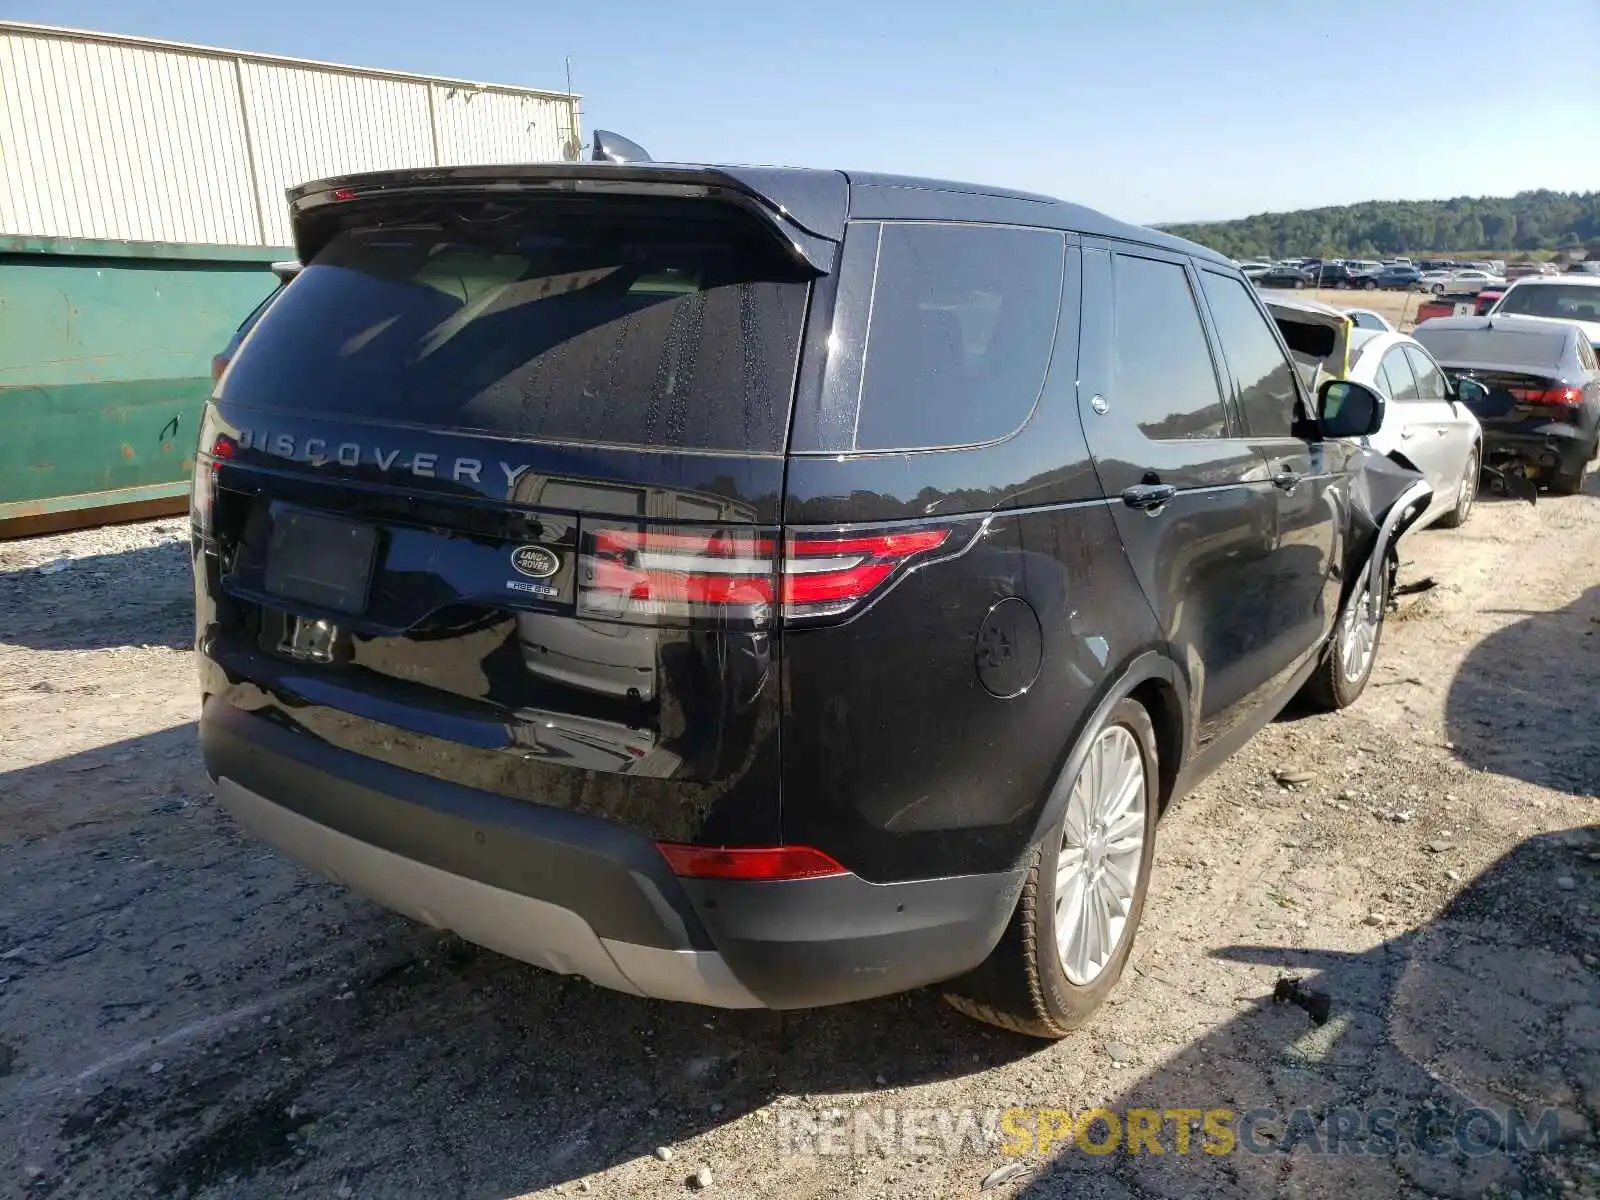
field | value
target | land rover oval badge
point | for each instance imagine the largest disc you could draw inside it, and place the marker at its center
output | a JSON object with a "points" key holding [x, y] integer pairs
{"points": [[535, 561]]}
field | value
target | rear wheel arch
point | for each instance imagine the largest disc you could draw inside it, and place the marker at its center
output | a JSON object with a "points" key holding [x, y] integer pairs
{"points": [[1161, 687]]}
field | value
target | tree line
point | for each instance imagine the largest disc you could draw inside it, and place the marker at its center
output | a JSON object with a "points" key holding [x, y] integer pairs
{"points": [[1529, 222]]}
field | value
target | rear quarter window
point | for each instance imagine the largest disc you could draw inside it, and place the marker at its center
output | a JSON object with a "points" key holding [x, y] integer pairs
{"points": [[963, 321]]}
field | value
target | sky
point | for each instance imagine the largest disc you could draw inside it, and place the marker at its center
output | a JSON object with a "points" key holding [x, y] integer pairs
{"points": [[1151, 110]]}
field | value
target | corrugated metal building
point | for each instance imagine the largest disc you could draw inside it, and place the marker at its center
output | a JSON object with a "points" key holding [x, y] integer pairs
{"points": [[141, 205], [129, 139]]}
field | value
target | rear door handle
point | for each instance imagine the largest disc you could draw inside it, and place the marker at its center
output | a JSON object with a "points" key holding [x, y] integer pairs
{"points": [[1286, 481], [1149, 497]]}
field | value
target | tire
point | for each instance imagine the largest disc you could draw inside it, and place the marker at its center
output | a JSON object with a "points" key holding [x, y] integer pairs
{"points": [[1023, 985], [1437, 289], [1467, 493], [1341, 286], [1299, 284], [1569, 483], [1369, 286], [1331, 687]]}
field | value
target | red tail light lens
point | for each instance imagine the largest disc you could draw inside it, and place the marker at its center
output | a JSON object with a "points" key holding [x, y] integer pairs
{"points": [[648, 575], [756, 862], [633, 574], [1560, 397], [203, 482], [828, 574]]}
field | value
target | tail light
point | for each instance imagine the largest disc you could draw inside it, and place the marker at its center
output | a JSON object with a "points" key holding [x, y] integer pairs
{"points": [[629, 573], [1564, 397], [828, 574], [749, 862], [645, 575], [203, 483]]}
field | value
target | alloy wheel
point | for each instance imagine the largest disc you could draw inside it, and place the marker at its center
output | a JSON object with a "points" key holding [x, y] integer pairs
{"points": [[1469, 489], [1097, 873], [1358, 637]]}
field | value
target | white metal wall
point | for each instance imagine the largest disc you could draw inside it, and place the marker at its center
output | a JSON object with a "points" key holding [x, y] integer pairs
{"points": [[127, 139]]}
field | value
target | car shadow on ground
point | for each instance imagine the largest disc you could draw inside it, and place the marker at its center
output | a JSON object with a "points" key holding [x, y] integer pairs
{"points": [[1522, 702], [1487, 1006], [186, 1009], [138, 597]]}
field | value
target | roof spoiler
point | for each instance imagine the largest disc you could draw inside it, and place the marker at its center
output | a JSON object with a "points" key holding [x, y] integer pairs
{"points": [[805, 209]]}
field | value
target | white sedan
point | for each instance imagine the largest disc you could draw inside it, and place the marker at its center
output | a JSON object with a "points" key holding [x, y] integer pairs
{"points": [[1465, 279], [1423, 422]]}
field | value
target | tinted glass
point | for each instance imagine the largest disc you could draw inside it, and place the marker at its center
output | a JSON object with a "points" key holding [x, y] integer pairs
{"points": [[1494, 347], [1573, 302], [641, 325], [1366, 320], [1430, 380], [963, 321], [1402, 382], [1586, 356], [1164, 377], [1267, 394]]}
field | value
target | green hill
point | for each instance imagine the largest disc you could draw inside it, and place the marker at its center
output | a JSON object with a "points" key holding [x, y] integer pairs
{"points": [[1527, 223]]}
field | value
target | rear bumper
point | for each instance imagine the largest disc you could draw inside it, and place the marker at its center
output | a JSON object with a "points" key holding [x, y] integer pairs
{"points": [[1558, 452], [581, 896]]}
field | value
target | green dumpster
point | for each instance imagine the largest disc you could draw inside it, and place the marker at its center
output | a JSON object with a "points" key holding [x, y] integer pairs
{"points": [[105, 364]]}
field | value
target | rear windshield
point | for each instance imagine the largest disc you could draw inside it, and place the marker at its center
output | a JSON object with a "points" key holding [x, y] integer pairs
{"points": [[1493, 347], [1572, 302], [655, 326]]}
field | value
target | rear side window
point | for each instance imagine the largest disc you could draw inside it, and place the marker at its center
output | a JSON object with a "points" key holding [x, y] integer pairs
{"points": [[1397, 372], [963, 323], [1267, 392], [1164, 377], [1430, 381], [652, 325]]}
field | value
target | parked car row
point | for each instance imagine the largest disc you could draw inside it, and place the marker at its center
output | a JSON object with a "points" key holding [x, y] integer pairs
{"points": [[1431, 275]]}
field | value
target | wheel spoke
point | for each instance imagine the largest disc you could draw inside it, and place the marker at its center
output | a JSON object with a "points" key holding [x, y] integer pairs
{"points": [[1077, 823], [1102, 928], [1121, 883], [1127, 833]]}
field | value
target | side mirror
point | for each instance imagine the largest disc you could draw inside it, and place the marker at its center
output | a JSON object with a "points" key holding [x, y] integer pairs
{"points": [[1346, 409], [1470, 391]]}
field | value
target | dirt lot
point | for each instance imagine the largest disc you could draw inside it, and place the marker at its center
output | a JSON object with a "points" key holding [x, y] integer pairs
{"points": [[182, 1012]]}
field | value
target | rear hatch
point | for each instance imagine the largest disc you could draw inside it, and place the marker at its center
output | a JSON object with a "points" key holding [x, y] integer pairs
{"points": [[492, 491], [1318, 336]]}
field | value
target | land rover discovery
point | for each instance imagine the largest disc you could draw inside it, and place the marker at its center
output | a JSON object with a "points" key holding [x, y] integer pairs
{"points": [[761, 587]]}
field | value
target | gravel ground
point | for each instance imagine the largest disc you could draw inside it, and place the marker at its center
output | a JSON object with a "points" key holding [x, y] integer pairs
{"points": [[182, 1012]]}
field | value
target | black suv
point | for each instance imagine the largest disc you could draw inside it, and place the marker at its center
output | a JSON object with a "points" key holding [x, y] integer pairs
{"points": [[761, 587]]}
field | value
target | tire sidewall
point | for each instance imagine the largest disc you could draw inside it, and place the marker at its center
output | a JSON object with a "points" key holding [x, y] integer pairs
{"points": [[1066, 1002]]}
